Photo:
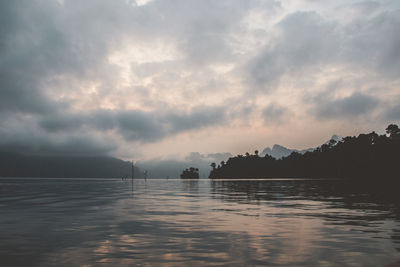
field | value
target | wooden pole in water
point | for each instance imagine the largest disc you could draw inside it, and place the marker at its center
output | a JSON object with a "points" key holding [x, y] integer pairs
{"points": [[133, 170], [132, 173]]}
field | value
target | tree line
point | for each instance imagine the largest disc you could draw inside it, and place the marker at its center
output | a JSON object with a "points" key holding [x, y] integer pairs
{"points": [[367, 156]]}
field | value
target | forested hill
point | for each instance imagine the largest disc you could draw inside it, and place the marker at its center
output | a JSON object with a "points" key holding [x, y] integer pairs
{"points": [[368, 156], [17, 165]]}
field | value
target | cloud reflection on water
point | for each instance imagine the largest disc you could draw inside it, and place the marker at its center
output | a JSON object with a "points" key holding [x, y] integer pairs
{"points": [[173, 223]]}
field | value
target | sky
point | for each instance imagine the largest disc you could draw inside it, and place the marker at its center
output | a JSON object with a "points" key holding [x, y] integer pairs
{"points": [[154, 79]]}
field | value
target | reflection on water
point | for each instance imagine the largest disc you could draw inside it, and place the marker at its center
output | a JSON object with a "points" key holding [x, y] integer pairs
{"points": [[185, 222]]}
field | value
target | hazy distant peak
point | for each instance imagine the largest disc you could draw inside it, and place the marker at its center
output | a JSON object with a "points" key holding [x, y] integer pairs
{"points": [[279, 151], [276, 146], [336, 138]]}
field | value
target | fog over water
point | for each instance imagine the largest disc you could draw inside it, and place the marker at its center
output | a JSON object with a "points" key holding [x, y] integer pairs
{"points": [[64, 222]]}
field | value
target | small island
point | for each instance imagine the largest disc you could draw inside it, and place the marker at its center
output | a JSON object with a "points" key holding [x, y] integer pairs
{"points": [[191, 173]]}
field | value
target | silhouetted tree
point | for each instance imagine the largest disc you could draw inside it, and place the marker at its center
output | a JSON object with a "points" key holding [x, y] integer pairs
{"points": [[191, 173], [213, 165], [393, 131], [365, 157]]}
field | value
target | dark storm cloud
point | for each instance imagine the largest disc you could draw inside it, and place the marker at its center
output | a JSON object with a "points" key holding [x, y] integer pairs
{"points": [[136, 125], [307, 42], [143, 126], [18, 77], [305, 39], [43, 40], [60, 122], [202, 28], [33, 48], [21, 135], [373, 43], [393, 112], [196, 118], [274, 113], [355, 105]]}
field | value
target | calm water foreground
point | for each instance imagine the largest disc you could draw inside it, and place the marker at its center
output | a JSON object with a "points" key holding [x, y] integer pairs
{"points": [[76, 222]]}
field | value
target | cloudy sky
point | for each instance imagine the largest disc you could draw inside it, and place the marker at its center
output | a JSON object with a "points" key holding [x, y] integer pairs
{"points": [[151, 78]]}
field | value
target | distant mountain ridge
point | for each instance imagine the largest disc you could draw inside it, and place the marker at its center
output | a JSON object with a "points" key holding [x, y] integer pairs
{"points": [[279, 151], [17, 165]]}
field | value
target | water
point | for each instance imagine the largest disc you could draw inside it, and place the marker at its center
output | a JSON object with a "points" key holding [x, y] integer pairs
{"points": [[76, 222]]}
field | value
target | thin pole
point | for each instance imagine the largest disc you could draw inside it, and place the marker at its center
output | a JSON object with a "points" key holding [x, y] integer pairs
{"points": [[133, 170], [132, 173]]}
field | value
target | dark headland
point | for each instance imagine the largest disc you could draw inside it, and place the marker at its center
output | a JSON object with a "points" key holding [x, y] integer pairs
{"points": [[370, 157]]}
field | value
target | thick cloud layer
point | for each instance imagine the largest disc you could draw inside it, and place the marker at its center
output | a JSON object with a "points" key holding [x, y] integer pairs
{"points": [[123, 77], [354, 105]]}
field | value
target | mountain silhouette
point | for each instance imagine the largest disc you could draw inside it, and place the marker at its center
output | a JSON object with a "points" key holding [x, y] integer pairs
{"points": [[279, 151]]}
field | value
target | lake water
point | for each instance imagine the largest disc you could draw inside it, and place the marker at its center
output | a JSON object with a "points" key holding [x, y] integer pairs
{"points": [[76, 222]]}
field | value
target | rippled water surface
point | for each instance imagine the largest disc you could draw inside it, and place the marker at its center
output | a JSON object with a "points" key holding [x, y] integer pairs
{"points": [[75, 222]]}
